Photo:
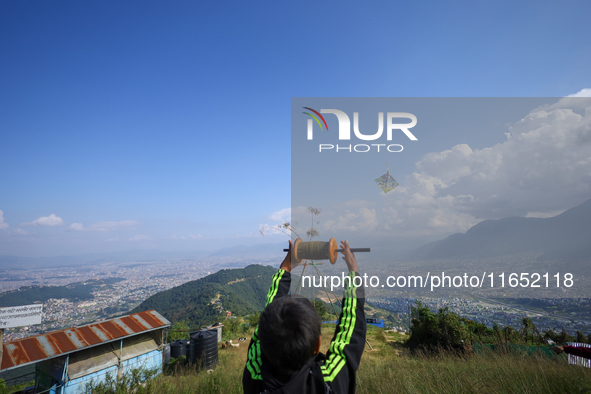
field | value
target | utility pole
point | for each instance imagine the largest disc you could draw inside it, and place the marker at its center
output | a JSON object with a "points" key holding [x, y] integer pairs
{"points": [[1, 344], [409, 317], [18, 316]]}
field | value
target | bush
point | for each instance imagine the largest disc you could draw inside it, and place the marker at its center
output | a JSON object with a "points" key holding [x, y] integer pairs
{"points": [[480, 331], [179, 330], [559, 339], [136, 380], [443, 329], [175, 365], [234, 326], [254, 319]]}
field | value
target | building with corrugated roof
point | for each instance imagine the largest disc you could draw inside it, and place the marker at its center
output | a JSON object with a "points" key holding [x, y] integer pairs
{"points": [[66, 360]]}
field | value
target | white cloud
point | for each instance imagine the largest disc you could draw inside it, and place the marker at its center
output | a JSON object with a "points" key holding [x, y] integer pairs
{"points": [[77, 227], [542, 168], [198, 236], [283, 215], [583, 93], [277, 219], [544, 214], [46, 221], [19, 231], [3, 226], [140, 238], [361, 219]]}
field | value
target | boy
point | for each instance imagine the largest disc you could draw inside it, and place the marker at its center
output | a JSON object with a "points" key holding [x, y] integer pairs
{"points": [[284, 357]]}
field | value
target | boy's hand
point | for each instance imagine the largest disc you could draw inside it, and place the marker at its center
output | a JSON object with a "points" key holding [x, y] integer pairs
{"points": [[286, 264], [348, 256]]}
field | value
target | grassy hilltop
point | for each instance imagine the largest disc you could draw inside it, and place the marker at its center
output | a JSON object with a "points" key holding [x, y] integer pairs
{"points": [[391, 368]]}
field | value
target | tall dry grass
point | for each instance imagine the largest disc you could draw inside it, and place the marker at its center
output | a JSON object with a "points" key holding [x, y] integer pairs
{"points": [[390, 368], [386, 371]]}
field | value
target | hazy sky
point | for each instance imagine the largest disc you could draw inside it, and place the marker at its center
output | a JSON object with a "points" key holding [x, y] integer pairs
{"points": [[138, 125]]}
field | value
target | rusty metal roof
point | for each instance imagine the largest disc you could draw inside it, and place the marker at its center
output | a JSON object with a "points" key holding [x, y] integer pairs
{"points": [[52, 344]]}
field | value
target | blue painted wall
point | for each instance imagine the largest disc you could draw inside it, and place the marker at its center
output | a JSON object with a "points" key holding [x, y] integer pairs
{"points": [[77, 386]]}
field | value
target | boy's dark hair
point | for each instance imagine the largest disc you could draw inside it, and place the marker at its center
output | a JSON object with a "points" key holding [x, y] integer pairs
{"points": [[288, 331]]}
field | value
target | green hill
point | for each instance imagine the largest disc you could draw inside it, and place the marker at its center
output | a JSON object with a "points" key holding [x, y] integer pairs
{"points": [[79, 291], [241, 291]]}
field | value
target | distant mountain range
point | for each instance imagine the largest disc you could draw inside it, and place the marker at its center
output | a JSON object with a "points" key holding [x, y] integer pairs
{"points": [[241, 291], [238, 253], [12, 262], [566, 237], [267, 250]]}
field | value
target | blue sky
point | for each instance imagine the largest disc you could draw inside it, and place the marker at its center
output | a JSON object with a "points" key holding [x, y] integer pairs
{"points": [[167, 125]]}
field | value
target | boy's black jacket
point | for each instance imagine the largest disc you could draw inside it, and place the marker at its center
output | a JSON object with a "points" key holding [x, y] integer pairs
{"points": [[331, 373]]}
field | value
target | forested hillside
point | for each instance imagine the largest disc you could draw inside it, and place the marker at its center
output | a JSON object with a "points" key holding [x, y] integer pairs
{"points": [[79, 291], [241, 291]]}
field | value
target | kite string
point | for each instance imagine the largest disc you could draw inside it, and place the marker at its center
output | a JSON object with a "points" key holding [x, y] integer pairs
{"points": [[299, 286], [326, 291]]}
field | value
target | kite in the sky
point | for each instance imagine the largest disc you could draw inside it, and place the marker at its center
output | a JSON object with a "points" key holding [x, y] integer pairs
{"points": [[386, 182]]}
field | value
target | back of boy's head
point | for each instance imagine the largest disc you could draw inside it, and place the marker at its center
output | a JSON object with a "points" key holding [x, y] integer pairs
{"points": [[288, 331]]}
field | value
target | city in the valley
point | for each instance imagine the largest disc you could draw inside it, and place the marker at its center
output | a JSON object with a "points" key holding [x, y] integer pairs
{"points": [[78, 295]]}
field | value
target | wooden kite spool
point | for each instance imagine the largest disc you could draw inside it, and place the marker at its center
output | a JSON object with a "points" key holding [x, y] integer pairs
{"points": [[315, 250]]}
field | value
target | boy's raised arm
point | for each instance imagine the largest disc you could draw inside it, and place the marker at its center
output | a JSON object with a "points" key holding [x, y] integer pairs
{"points": [[348, 343], [280, 285]]}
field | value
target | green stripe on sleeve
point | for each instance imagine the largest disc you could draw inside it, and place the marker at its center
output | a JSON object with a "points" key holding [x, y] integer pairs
{"points": [[254, 362], [337, 359]]}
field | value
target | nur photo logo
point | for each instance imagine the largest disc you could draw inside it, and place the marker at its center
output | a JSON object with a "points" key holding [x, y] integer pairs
{"points": [[393, 124]]}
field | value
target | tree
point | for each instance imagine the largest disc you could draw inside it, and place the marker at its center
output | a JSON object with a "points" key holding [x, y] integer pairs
{"points": [[254, 319], [3, 388], [551, 334], [320, 308], [509, 333], [232, 326], [443, 329], [179, 330], [527, 326], [563, 337], [498, 332], [480, 330]]}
